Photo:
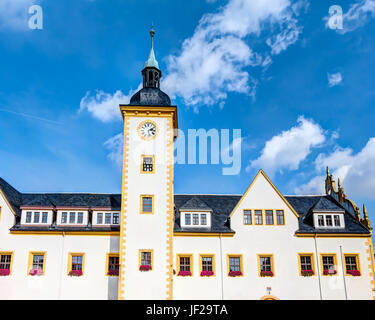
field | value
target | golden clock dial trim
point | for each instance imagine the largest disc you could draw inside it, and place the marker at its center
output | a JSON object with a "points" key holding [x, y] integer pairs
{"points": [[146, 132]]}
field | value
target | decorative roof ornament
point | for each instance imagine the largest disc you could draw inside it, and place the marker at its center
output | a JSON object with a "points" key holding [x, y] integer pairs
{"points": [[151, 61], [365, 219]]}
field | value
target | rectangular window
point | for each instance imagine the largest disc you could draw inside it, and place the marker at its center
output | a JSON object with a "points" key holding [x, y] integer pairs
{"points": [[147, 165], [207, 265], [28, 217], [328, 264], [76, 261], [146, 258], [72, 217], [269, 217], [185, 264], [195, 219], [247, 217], [36, 217], [265, 263], [113, 264], [108, 217], [80, 218], [6, 263], [203, 219], [99, 218], [44, 217], [36, 264], [337, 220], [329, 221], [234, 263], [280, 217], [116, 218], [352, 264], [321, 221], [64, 217], [306, 264], [258, 217], [147, 204], [187, 219]]}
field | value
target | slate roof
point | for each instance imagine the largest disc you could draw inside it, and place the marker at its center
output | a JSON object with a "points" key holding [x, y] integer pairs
{"points": [[150, 96], [220, 205]]}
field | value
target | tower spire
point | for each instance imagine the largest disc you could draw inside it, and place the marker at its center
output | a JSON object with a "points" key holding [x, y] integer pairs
{"points": [[151, 61]]}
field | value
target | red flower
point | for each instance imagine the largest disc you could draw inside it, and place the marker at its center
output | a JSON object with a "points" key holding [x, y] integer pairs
{"points": [[36, 272], [113, 272], [145, 267], [75, 273], [4, 272], [184, 273], [207, 273], [235, 273], [327, 272], [266, 274], [307, 272], [354, 273]]}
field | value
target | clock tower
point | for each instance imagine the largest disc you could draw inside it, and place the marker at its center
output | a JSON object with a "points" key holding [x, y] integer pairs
{"points": [[147, 209]]}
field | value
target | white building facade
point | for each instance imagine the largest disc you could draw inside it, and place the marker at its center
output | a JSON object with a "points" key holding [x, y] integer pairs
{"points": [[147, 243]]}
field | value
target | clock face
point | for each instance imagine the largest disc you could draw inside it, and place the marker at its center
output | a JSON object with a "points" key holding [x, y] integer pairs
{"points": [[147, 129]]}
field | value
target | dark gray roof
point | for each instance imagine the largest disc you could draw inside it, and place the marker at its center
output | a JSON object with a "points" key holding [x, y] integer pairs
{"points": [[304, 205], [195, 203], [221, 206], [150, 97], [324, 204]]}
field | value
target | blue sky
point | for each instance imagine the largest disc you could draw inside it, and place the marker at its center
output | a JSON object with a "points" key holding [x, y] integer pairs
{"points": [[301, 93]]}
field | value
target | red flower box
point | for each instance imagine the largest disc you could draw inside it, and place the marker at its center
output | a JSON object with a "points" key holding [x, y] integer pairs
{"points": [[235, 273], [184, 273], [354, 273], [75, 273], [307, 273], [206, 273], [266, 274], [4, 272], [113, 272], [144, 267], [327, 272], [36, 272]]}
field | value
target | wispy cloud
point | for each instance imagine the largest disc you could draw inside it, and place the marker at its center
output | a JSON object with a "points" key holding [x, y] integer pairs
{"points": [[214, 61], [115, 148], [334, 79], [289, 148]]}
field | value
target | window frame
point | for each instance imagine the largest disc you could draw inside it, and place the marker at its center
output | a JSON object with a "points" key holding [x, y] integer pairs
{"points": [[357, 260], [108, 256], [312, 257], [140, 251], [141, 203], [265, 217], [31, 260], [251, 217], [276, 221], [44, 214], [207, 255], [272, 262], [241, 263], [153, 163], [11, 254], [334, 255], [261, 215], [70, 260], [185, 255], [185, 216]]}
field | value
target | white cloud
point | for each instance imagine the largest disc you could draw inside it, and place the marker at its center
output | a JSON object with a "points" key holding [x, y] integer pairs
{"points": [[334, 79], [213, 61], [115, 147], [355, 170], [358, 15], [14, 14], [104, 106], [289, 148]]}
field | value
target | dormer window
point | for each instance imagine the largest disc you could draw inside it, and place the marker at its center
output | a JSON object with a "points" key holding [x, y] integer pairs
{"points": [[196, 219], [329, 220], [106, 218], [36, 217], [72, 218]]}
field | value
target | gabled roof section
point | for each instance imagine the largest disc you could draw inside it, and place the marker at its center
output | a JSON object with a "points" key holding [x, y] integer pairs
{"points": [[325, 205], [261, 172], [195, 203], [11, 196]]}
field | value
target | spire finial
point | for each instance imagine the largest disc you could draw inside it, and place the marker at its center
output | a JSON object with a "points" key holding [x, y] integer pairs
{"points": [[151, 61], [152, 33], [327, 171], [339, 183]]}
